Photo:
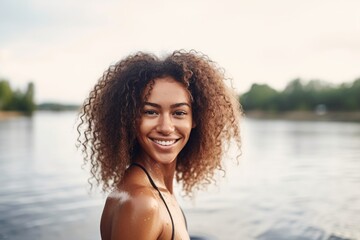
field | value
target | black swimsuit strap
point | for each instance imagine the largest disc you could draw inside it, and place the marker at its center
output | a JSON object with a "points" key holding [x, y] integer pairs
{"points": [[161, 196]]}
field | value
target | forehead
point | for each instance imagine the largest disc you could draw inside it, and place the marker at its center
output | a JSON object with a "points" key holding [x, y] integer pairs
{"points": [[166, 89]]}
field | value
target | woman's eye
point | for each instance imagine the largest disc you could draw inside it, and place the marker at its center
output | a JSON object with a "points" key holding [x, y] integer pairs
{"points": [[180, 113], [150, 112]]}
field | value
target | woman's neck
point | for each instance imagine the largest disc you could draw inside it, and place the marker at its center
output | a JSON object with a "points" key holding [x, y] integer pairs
{"points": [[162, 174]]}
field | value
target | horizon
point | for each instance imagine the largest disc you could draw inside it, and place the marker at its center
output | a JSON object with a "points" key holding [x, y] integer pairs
{"points": [[65, 103]]}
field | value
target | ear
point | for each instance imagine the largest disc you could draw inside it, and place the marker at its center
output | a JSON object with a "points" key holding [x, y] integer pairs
{"points": [[193, 124]]}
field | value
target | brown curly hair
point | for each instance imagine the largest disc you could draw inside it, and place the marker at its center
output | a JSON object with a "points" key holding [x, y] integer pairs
{"points": [[107, 131]]}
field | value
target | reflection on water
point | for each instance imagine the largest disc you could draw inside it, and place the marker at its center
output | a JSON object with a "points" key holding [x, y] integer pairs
{"points": [[44, 191], [296, 180]]}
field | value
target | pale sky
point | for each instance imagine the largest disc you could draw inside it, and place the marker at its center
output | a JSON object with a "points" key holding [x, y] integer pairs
{"points": [[64, 46]]}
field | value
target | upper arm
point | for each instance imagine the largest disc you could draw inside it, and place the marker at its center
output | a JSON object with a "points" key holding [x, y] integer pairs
{"points": [[137, 218]]}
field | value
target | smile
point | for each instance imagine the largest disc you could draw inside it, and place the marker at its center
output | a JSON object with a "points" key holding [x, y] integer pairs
{"points": [[165, 142]]}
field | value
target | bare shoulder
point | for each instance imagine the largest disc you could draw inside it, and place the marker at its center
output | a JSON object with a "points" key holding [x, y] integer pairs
{"points": [[137, 200], [131, 212]]}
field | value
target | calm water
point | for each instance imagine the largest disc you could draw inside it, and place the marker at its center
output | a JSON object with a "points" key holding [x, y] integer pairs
{"points": [[296, 180]]}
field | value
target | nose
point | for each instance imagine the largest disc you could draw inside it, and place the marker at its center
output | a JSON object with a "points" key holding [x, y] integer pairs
{"points": [[165, 125]]}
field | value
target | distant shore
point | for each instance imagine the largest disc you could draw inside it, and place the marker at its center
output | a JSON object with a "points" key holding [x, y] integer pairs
{"points": [[5, 115], [306, 116], [10, 114], [291, 115]]}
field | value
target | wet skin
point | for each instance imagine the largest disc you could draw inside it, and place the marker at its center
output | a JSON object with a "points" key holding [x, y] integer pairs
{"points": [[134, 210]]}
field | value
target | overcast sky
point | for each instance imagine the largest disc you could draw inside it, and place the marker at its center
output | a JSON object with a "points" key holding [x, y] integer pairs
{"points": [[64, 46]]}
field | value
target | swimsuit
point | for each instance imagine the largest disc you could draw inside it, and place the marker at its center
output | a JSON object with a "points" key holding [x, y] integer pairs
{"points": [[161, 196]]}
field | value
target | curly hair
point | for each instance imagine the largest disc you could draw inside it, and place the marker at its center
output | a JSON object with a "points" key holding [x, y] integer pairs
{"points": [[107, 131]]}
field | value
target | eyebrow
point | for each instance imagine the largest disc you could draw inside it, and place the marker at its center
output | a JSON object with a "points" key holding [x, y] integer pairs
{"points": [[171, 106]]}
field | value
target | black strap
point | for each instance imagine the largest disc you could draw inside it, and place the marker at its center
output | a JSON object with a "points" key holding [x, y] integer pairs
{"points": [[184, 218], [161, 196]]}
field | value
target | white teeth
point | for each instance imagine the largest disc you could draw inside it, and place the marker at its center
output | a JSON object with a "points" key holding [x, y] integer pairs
{"points": [[165, 143]]}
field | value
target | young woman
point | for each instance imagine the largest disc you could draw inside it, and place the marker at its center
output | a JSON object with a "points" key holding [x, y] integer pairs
{"points": [[147, 122]]}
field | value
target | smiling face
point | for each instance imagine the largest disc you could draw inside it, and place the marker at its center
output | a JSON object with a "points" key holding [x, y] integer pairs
{"points": [[166, 121]]}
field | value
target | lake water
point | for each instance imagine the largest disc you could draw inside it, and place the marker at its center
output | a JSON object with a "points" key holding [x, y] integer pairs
{"points": [[295, 180]]}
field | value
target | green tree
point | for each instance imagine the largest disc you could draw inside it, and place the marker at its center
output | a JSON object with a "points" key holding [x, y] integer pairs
{"points": [[260, 96], [28, 99], [355, 92], [299, 96], [316, 92], [16, 100], [294, 96], [6, 94]]}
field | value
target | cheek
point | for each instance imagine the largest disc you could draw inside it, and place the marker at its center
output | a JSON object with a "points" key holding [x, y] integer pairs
{"points": [[187, 127], [143, 127]]}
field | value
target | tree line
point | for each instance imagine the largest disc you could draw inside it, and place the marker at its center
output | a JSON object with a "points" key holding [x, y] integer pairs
{"points": [[298, 95], [16, 100]]}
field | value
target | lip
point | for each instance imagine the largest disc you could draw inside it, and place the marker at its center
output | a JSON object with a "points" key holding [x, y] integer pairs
{"points": [[164, 143]]}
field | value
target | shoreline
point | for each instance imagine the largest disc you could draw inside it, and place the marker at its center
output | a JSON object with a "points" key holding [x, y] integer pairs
{"points": [[305, 116], [256, 114], [4, 115]]}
